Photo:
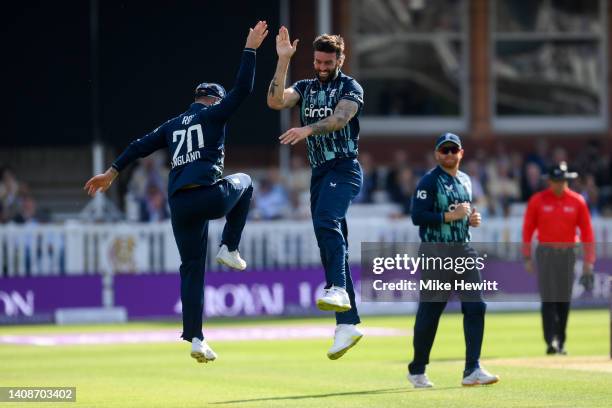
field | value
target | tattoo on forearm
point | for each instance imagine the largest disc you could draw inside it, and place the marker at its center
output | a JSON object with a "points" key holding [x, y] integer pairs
{"points": [[324, 126], [343, 113], [273, 86]]}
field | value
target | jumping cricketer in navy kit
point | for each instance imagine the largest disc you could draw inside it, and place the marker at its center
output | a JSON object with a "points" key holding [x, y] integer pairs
{"points": [[441, 207], [196, 190], [330, 104]]}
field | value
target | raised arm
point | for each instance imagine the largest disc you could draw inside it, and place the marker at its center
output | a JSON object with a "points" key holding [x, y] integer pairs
{"points": [[246, 75], [280, 97]]}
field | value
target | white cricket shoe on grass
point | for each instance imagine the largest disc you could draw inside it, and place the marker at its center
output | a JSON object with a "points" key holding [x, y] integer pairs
{"points": [[346, 336], [334, 299], [479, 376], [201, 351], [420, 381], [231, 258]]}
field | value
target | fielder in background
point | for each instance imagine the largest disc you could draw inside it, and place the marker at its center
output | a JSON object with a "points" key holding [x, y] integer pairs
{"points": [[442, 210], [197, 192], [555, 213], [329, 108]]}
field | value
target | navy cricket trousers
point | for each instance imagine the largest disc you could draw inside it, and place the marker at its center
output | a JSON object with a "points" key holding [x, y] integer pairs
{"points": [[191, 209], [433, 303], [333, 186]]}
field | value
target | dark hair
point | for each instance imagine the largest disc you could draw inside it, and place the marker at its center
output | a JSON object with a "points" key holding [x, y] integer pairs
{"points": [[329, 43]]}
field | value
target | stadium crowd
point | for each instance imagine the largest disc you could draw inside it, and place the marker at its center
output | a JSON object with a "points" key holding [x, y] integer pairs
{"points": [[502, 184], [17, 204]]}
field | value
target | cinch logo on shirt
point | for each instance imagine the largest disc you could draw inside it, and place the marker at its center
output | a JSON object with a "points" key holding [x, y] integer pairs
{"points": [[323, 112]]}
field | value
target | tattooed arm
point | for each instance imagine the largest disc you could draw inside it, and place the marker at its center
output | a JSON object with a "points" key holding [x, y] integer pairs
{"points": [[345, 110], [279, 97]]}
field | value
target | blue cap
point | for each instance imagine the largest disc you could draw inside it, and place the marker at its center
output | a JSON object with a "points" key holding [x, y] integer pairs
{"points": [[210, 89], [448, 137]]}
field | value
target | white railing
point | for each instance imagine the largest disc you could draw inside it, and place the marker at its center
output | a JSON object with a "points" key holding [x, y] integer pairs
{"points": [[77, 249]]}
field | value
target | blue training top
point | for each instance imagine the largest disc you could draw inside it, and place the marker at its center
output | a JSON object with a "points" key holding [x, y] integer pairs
{"points": [[195, 138]]}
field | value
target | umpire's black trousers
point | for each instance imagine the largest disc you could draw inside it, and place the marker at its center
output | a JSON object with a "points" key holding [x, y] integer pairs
{"points": [[191, 209], [555, 281]]}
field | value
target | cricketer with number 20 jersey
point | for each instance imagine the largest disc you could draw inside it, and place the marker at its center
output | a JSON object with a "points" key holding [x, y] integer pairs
{"points": [[196, 138]]}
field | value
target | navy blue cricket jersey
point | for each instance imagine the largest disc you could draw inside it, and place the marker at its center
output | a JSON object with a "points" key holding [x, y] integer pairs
{"points": [[318, 101], [195, 138], [439, 192]]}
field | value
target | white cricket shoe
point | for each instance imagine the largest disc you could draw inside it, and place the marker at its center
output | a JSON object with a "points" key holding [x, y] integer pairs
{"points": [[230, 258], [420, 381], [201, 351], [479, 376], [334, 299], [346, 336]]}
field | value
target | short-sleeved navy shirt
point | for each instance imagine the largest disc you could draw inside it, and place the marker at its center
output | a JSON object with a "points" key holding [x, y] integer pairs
{"points": [[318, 101]]}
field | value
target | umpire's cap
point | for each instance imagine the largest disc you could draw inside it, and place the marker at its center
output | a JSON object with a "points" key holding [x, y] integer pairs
{"points": [[559, 172], [209, 89], [448, 137]]}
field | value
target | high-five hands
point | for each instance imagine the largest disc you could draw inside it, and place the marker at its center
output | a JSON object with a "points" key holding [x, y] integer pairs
{"points": [[256, 35], [284, 48]]}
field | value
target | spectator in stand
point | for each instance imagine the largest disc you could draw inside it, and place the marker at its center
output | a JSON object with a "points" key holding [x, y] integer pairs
{"points": [[516, 165], [154, 206], [392, 183], [407, 184], [503, 187], [532, 181], [370, 177], [271, 198], [479, 198], [32, 251], [299, 176], [559, 155], [9, 195], [540, 156], [298, 185], [586, 187], [27, 210], [150, 172], [592, 161]]}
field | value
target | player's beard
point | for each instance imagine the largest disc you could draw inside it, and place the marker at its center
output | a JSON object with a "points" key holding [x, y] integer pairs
{"points": [[331, 74], [450, 162]]}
